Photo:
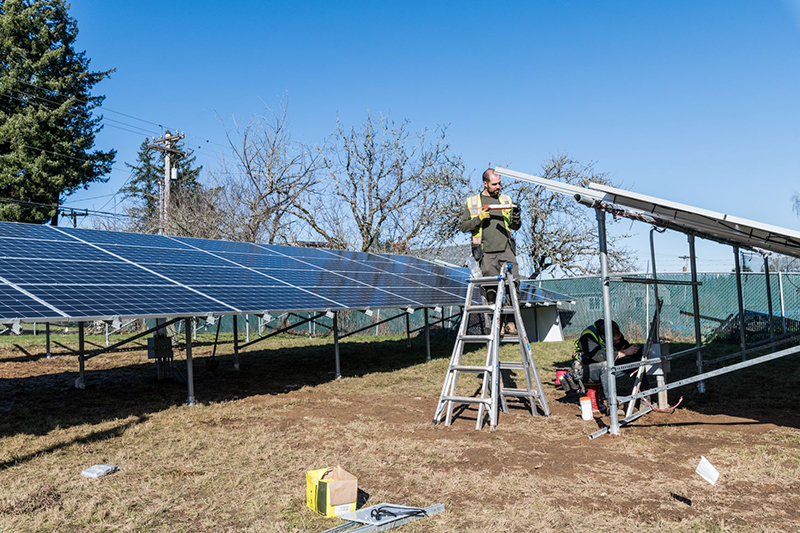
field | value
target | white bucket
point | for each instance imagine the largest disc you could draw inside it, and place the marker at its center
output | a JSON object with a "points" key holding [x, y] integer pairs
{"points": [[586, 408]]}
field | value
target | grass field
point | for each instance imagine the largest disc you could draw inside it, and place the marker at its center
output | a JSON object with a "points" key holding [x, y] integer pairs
{"points": [[237, 461]]}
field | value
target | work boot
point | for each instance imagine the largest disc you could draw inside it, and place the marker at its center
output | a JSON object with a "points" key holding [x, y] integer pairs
{"points": [[511, 328]]}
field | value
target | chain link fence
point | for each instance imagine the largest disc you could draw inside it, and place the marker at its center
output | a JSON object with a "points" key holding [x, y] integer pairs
{"points": [[633, 305]]}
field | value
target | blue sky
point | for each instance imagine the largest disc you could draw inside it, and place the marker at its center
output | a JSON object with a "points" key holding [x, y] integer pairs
{"points": [[695, 102]]}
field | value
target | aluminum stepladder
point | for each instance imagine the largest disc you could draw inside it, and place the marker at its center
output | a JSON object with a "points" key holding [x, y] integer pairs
{"points": [[493, 395]]}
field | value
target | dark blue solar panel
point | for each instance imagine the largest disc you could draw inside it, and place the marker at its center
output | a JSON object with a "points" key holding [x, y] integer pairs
{"points": [[532, 293], [50, 272], [129, 239], [297, 251], [227, 275], [257, 299], [31, 231], [268, 261], [110, 300], [364, 297], [224, 246], [14, 304], [144, 256], [35, 249]]}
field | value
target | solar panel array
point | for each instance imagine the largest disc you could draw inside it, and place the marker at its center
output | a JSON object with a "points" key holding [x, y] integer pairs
{"points": [[49, 273]]}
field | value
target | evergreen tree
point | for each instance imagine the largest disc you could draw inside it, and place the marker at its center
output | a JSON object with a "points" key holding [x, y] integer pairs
{"points": [[147, 177], [47, 130]]}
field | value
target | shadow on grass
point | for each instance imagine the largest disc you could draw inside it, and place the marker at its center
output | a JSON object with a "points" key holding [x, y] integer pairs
{"points": [[764, 393], [37, 404], [91, 437]]}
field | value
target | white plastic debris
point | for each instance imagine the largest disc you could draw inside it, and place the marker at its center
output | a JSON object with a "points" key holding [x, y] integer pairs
{"points": [[96, 471], [707, 471]]}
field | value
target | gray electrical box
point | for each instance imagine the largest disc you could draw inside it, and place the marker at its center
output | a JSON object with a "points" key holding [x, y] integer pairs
{"points": [[159, 348]]}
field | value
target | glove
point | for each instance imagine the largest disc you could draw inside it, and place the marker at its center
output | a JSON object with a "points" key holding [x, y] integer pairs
{"points": [[516, 211], [484, 215]]}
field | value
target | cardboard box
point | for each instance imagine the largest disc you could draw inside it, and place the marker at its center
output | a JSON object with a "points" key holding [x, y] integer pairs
{"points": [[331, 491]]}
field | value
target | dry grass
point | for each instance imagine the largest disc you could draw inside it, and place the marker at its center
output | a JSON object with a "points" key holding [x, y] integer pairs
{"points": [[237, 462]]}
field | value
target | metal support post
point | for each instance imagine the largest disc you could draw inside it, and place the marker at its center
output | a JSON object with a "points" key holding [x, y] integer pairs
{"points": [[783, 309], [194, 328], [47, 338], [663, 399], [235, 343], [611, 394], [427, 337], [106, 333], [80, 383], [336, 344], [701, 385], [189, 363], [655, 284], [647, 308], [769, 297], [408, 331], [740, 300], [34, 329]]}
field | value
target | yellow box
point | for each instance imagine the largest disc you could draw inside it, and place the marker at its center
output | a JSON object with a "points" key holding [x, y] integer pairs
{"points": [[331, 491]]}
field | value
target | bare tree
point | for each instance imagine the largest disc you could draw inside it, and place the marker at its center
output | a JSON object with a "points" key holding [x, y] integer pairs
{"points": [[782, 263], [197, 213], [263, 184], [558, 233], [388, 189]]}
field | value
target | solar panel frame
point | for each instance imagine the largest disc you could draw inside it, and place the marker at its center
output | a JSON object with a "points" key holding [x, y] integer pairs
{"points": [[707, 224]]}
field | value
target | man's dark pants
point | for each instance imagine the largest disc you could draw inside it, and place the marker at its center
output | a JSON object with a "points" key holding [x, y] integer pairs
{"points": [[492, 263]]}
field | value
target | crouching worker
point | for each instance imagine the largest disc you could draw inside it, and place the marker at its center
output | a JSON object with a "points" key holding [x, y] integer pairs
{"points": [[589, 357]]}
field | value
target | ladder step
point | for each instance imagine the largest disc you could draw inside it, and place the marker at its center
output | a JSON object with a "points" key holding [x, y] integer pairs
{"points": [[465, 399], [511, 366], [480, 308], [488, 309], [475, 338], [467, 368], [488, 280], [519, 393], [509, 338]]}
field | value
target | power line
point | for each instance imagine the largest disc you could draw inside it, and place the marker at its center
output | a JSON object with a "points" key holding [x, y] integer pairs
{"points": [[100, 105], [108, 122], [9, 141], [62, 207]]}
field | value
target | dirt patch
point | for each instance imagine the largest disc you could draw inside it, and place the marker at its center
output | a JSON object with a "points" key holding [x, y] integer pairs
{"points": [[237, 462]]}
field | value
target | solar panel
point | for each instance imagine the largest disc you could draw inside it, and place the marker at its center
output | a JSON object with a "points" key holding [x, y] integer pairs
{"points": [[685, 218], [15, 304], [49, 273]]}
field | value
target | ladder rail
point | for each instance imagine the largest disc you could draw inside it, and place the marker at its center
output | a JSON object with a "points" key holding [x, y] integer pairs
{"points": [[525, 347], [455, 359]]}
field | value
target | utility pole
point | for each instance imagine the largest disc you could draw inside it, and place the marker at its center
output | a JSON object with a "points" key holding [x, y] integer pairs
{"points": [[165, 146], [685, 262]]}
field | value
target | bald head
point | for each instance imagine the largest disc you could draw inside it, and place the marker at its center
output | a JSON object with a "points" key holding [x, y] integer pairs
{"points": [[491, 182]]}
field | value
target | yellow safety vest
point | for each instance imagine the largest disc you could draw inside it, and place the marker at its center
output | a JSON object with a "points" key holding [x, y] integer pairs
{"points": [[576, 352], [475, 207]]}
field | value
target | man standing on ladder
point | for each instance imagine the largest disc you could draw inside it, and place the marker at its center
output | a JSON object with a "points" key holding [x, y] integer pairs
{"points": [[492, 242]]}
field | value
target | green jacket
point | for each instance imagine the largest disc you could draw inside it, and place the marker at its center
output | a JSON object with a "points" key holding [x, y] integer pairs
{"points": [[494, 233]]}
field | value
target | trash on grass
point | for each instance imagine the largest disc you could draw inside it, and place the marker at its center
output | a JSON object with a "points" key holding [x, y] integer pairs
{"points": [[96, 471], [707, 471]]}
